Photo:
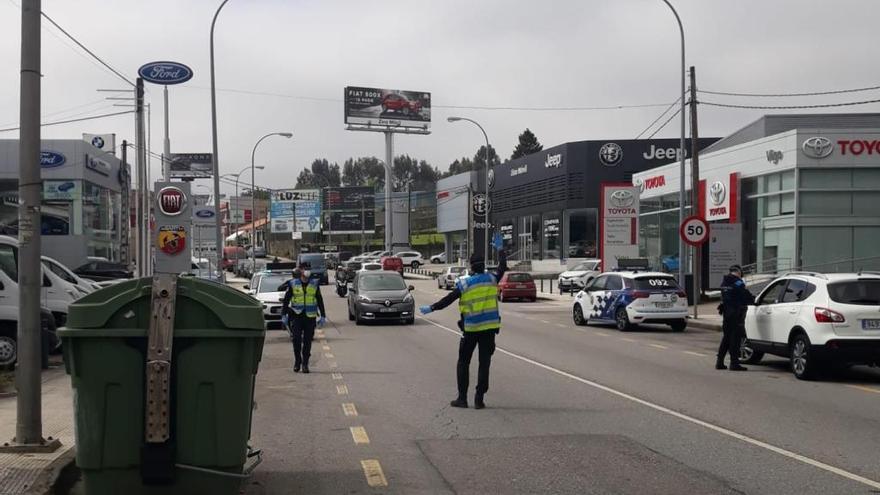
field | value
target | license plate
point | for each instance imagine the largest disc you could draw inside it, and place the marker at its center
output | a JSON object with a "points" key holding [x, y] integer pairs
{"points": [[520, 286], [663, 304], [871, 324], [386, 310]]}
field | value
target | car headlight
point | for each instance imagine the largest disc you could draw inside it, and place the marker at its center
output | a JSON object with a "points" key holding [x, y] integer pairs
{"points": [[408, 298], [364, 299]]}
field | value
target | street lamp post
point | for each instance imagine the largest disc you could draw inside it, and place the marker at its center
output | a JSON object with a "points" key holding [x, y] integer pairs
{"points": [[237, 199], [214, 157], [681, 193], [288, 135], [486, 220]]}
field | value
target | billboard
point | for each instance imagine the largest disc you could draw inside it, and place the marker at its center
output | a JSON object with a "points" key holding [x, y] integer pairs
{"points": [[348, 198], [195, 165], [386, 107], [349, 222], [295, 210]]}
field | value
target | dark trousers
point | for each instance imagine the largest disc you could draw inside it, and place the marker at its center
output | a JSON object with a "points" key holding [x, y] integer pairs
{"points": [[470, 341], [734, 330], [302, 329]]}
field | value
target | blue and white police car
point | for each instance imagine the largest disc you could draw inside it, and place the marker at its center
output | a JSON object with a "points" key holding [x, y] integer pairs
{"points": [[627, 299]]}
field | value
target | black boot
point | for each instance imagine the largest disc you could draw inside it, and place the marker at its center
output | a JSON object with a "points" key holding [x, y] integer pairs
{"points": [[737, 367], [478, 402], [305, 368], [719, 364], [459, 402], [296, 367]]}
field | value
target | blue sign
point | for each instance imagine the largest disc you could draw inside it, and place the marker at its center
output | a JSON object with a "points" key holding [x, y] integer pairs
{"points": [[313, 223], [165, 73], [51, 159], [205, 213]]}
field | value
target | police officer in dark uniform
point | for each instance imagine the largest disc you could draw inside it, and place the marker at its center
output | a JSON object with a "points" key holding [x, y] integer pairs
{"points": [[300, 307], [480, 321], [735, 300]]}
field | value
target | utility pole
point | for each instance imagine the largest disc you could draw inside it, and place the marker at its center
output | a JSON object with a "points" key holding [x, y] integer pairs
{"points": [[143, 187], [695, 185], [363, 240], [389, 162], [166, 155], [126, 208]]}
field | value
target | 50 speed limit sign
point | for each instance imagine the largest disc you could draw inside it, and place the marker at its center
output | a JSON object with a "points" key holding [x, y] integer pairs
{"points": [[694, 231]]}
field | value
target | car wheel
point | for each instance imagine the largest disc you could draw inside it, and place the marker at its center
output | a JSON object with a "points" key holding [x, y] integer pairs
{"points": [[8, 352], [405, 110], [621, 319], [678, 326], [578, 316], [357, 318], [803, 363], [747, 354], [350, 315], [411, 321], [415, 265]]}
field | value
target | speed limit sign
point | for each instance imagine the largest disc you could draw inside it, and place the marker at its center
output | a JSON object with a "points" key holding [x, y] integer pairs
{"points": [[694, 231]]}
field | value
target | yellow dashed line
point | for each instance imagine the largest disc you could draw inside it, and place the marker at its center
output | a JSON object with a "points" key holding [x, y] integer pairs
{"points": [[342, 389], [336, 376], [692, 353], [349, 409], [658, 346], [332, 365], [603, 334], [326, 347], [865, 389], [359, 435], [627, 339], [373, 472], [328, 355]]}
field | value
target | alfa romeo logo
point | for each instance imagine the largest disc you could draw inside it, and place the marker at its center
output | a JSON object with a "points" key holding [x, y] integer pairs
{"points": [[610, 154], [481, 204], [717, 193], [818, 147], [171, 201]]}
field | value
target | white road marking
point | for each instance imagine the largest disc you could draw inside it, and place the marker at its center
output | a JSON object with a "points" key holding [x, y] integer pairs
{"points": [[342, 390], [658, 346], [865, 389], [684, 417], [349, 409], [698, 354], [336, 376], [560, 325]]}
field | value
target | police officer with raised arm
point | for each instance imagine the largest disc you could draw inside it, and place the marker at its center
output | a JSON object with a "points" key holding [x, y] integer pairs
{"points": [[735, 301], [480, 321], [300, 307]]}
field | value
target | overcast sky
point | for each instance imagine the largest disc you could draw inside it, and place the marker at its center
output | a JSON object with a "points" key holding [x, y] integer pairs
{"points": [[525, 53]]}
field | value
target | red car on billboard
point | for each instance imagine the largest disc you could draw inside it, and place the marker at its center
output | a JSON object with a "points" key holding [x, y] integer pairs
{"points": [[394, 102]]}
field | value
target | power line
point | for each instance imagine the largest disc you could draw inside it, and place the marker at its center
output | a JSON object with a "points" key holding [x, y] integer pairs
{"points": [[105, 64], [790, 107], [784, 95], [664, 123], [659, 117], [93, 117]]}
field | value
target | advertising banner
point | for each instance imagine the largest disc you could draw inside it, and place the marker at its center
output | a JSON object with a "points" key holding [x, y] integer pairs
{"points": [[385, 107], [618, 223], [61, 190], [295, 210], [104, 142], [195, 165], [349, 198], [349, 222], [172, 234], [725, 250]]}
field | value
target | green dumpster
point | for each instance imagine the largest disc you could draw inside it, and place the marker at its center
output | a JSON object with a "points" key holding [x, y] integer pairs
{"points": [[217, 343]]}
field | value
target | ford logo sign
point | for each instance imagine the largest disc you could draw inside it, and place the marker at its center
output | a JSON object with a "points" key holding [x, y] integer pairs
{"points": [[165, 73], [205, 213], [51, 159]]}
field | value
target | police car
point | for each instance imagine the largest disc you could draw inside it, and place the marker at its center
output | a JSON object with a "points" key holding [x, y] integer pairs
{"points": [[630, 298]]}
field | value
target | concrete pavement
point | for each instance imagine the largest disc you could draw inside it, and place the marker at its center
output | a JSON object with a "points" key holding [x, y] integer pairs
{"points": [[571, 410]]}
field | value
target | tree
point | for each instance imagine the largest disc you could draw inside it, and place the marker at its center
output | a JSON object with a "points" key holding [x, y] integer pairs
{"points": [[419, 175], [363, 171], [528, 144], [459, 166], [480, 158], [320, 174]]}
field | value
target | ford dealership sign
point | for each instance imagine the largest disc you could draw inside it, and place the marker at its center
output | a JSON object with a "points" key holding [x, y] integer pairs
{"points": [[51, 159], [165, 73]]}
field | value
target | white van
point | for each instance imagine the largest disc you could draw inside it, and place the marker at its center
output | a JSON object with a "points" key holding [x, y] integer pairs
{"points": [[82, 285]]}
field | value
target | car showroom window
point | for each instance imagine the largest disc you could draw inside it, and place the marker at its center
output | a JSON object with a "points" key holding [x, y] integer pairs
{"points": [[797, 291], [771, 295], [614, 283]]}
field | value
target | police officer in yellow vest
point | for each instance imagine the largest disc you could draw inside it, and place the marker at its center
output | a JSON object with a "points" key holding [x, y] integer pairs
{"points": [[300, 307], [480, 321]]}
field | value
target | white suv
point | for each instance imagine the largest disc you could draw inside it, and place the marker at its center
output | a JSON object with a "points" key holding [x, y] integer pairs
{"points": [[815, 320], [411, 258]]}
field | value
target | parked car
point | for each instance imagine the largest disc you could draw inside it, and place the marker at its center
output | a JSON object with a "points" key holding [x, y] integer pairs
{"points": [[58, 268], [395, 102], [412, 259], [447, 278], [104, 271], [392, 263], [627, 299], [579, 275], [264, 287], [439, 258], [370, 267], [259, 251], [380, 296], [316, 264], [517, 285], [816, 321], [232, 255]]}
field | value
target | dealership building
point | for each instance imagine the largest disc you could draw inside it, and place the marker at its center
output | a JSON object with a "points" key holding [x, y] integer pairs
{"points": [[85, 200], [546, 205], [804, 189]]}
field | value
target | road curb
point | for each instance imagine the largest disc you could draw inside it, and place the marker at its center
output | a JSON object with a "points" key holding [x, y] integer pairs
{"points": [[51, 480]]}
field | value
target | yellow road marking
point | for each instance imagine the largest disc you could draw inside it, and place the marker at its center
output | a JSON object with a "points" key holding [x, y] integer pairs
{"points": [[333, 365], [328, 355], [349, 409], [602, 334], [692, 353], [865, 389], [342, 389], [658, 346], [326, 347], [373, 472], [359, 435], [336, 376]]}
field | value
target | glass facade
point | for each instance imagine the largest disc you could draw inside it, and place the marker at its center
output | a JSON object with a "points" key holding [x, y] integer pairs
{"points": [[551, 235], [658, 231]]}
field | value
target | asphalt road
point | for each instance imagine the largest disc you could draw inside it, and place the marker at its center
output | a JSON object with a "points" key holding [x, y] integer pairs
{"points": [[571, 410]]}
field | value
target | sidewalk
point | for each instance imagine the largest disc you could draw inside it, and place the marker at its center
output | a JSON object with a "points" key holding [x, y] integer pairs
{"points": [[36, 473]]}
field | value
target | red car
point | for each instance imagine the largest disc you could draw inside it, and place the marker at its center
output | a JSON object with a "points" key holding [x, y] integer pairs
{"points": [[517, 285], [393, 102], [392, 263]]}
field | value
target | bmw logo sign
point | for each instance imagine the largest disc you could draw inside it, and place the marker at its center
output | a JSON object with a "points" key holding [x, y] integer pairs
{"points": [[98, 142]]}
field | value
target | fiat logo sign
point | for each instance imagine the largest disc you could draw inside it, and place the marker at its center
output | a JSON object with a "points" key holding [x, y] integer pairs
{"points": [[171, 201]]}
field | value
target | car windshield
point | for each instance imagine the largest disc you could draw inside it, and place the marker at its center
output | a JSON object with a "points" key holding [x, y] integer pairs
{"points": [[354, 265], [586, 266], [382, 281], [654, 283], [270, 283], [519, 277], [864, 292]]}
